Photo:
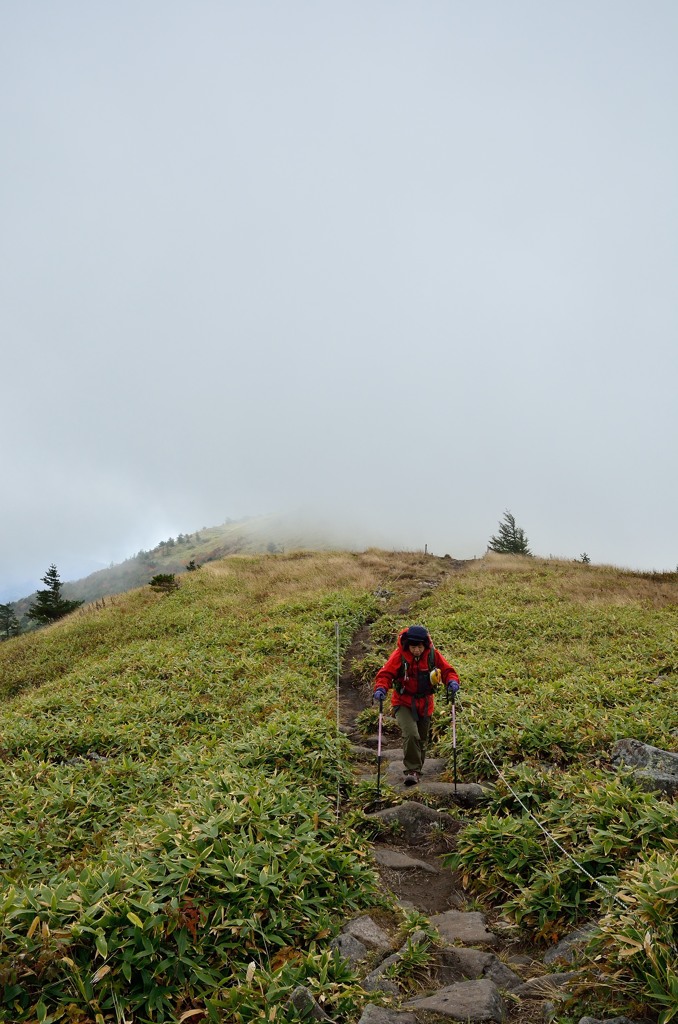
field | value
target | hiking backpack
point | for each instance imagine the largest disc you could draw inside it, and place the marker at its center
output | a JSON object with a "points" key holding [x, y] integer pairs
{"points": [[424, 686]]}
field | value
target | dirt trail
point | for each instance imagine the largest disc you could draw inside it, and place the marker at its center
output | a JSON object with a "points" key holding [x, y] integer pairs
{"points": [[408, 586], [430, 888], [428, 892]]}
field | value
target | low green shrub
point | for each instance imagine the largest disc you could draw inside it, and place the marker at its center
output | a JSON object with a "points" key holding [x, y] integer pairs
{"points": [[236, 873], [602, 822], [636, 948], [168, 801]]}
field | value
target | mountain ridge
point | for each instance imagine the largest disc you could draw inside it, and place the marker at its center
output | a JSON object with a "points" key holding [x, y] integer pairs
{"points": [[248, 535]]}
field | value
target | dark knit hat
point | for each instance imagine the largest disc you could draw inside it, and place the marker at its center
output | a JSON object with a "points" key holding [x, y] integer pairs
{"points": [[416, 635]]}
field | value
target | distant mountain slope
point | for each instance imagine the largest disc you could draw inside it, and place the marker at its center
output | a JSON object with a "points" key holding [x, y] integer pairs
{"points": [[255, 535]]}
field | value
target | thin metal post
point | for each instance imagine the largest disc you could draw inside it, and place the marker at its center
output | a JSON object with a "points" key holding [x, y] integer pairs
{"points": [[336, 631], [379, 730]]}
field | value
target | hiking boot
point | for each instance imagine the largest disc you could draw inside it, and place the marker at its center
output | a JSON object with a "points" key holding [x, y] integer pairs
{"points": [[411, 779]]}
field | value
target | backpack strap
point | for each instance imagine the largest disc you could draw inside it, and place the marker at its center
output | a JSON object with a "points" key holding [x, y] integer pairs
{"points": [[398, 682], [403, 675]]}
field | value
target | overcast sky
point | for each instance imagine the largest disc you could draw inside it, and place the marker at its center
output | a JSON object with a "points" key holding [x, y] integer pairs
{"points": [[396, 266]]}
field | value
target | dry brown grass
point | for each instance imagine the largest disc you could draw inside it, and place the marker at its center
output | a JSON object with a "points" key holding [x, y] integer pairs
{"points": [[492, 562], [301, 574], [589, 584]]}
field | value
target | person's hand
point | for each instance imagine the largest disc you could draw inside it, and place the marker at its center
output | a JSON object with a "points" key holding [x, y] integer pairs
{"points": [[452, 687], [379, 693]]}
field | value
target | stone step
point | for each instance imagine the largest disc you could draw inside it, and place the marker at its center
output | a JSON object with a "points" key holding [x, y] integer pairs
{"points": [[464, 794], [401, 861], [462, 963], [464, 1001], [361, 753], [373, 1014], [414, 818], [469, 927], [431, 770]]}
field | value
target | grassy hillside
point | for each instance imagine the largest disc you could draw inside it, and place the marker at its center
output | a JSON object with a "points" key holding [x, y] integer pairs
{"points": [[168, 776], [558, 661], [169, 769], [243, 536], [561, 660]]}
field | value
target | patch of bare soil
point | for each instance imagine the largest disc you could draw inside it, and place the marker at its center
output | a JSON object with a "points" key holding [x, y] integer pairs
{"points": [[353, 696], [430, 892], [418, 889]]}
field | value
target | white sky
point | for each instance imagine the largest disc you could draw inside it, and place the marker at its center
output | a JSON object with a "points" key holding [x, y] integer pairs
{"points": [[398, 266]]}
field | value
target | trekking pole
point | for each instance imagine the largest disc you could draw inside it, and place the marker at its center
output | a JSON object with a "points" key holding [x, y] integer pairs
{"points": [[381, 719], [454, 738]]}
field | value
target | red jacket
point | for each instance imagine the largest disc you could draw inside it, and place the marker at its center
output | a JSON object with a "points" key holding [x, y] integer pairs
{"points": [[402, 672]]}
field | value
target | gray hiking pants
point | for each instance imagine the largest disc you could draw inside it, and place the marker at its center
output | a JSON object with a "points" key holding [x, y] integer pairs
{"points": [[415, 737]]}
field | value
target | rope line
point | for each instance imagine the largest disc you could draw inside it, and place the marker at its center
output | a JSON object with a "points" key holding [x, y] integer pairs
{"points": [[580, 867]]}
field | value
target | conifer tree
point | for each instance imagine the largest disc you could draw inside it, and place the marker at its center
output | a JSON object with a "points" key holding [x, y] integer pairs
{"points": [[9, 624], [49, 605], [510, 540], [164, 583]]}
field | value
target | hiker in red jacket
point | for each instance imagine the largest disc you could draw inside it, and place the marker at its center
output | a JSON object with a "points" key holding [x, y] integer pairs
{"points": [[413, 671]]}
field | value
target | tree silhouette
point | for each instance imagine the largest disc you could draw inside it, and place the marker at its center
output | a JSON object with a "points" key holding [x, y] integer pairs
{"points": [[510, 540], [9, 624], [49, 605], [164, 583]]}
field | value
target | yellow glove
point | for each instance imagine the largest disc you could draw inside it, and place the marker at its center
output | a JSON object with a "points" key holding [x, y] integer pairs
{"points": [[436, 676]]}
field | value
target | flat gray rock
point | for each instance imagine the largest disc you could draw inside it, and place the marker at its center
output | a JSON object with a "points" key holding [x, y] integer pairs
{"points": [[464, 794], [400, 861], [458, 963], [654, 768], [414, 817], [349, 948], [567, 949], [469, 927], [503, 977], [609, 1020], [373, 1014], [376, 982], [366, 931], [461, 964], [641, 755], [465, 1001], [392, 754], [654, 781]]}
